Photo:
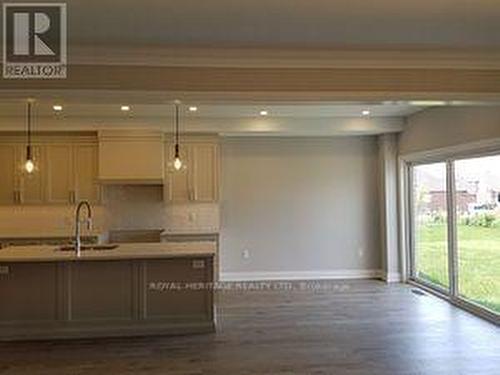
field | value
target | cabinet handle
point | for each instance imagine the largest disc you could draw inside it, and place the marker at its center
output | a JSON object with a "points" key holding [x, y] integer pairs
{"points": [[72, 197], [18, 197]]}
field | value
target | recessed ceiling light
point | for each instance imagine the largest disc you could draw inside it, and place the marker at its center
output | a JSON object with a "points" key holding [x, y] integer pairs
{"points": [[264, 113], [57, 108], [366, 112], [193, 108], [125, 108]]}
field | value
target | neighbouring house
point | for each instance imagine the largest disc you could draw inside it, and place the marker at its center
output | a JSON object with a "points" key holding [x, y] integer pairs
{"points": [[464, 200]]}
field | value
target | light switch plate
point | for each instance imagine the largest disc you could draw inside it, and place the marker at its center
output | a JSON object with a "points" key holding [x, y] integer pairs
{"points": [[4, 270]]}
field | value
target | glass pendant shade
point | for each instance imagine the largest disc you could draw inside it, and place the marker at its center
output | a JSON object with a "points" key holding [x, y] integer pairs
{"points": [[29, 165], [177, 164]]}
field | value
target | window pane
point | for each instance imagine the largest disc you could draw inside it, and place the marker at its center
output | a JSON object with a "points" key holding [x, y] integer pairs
{"points": [[478, 232], [430, 220]]}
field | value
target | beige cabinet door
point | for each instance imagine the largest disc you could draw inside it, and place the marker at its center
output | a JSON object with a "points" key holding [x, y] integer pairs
{"points": [[186, 304], [64, 172], [32, 186], [131, 156], [29, 293], [101, 290], [179, 183], [86, 169], [205, 172], [59, 173], [8, 193]]}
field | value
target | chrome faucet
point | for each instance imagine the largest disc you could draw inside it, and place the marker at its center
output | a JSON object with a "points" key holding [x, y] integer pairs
{"points": [[78, 241]]}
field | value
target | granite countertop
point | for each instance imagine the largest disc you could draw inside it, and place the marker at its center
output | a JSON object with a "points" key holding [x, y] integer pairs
{"points": [[47, 253], [188, 233], [49, 234]]}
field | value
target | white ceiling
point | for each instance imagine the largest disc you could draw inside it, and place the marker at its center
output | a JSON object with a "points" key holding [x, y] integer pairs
{"points": [[148, 111], [226, 119], [264, 24], [285, 23], [285, 119]]}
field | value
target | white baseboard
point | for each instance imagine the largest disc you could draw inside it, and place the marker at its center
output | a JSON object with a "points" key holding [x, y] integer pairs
{"points": [[301, 275], [392, 277]]}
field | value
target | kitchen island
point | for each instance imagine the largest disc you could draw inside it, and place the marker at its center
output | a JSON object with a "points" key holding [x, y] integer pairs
{"points": [[131, 290]]}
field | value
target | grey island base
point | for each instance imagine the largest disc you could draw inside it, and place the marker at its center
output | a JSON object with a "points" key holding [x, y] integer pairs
{"points": [[133, 290]]}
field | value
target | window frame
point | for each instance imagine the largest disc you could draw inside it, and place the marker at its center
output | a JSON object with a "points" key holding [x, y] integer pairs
{"points": [[407, 231], [412, 227]]}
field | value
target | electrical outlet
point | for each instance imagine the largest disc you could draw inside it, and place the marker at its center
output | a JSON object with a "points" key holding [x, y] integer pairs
{"points": [[245, 254], [192, 217], [4, 270], [198, 264]]}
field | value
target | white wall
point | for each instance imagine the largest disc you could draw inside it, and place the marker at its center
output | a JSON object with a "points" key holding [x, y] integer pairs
{"points": [[301, 207], [449, 126], [389, 221]]}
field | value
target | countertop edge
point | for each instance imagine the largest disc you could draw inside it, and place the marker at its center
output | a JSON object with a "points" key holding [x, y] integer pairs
{"points": [[106, 258]]}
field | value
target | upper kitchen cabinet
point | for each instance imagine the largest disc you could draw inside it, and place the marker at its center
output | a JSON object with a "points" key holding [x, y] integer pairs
{"points": [[178, 186], [16, 187], [60, 173], [86, 166], [69, 170], [131, 157], [199, 180], [8, 188], [66, 170], [32, 187], [205, 172]]}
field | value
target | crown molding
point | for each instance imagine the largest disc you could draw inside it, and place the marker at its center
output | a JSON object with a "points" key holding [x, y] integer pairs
{"points": [[298, 81], [286, 58]]}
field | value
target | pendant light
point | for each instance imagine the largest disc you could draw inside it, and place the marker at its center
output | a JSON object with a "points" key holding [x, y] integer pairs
{"points": [[177, 158], [29, 165]]}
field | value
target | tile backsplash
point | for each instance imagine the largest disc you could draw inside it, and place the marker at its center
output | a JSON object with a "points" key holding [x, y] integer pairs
{"points": [[192, 218], [124, 207], [43, 220], [133, 207]]}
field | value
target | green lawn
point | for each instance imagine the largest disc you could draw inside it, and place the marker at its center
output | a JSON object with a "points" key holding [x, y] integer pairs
{"points": [[479, 261]]}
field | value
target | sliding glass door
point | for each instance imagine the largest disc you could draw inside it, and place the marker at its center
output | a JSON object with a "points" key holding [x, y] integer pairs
{"points": [[455, 229], [477, 196], [430, 237]]}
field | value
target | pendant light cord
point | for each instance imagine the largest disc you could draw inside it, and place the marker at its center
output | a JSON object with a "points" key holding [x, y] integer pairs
{"points": [[28, 116], [176, 130]]}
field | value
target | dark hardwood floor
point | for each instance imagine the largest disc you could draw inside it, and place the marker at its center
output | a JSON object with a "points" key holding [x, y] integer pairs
{"points": [[351, 328]]}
